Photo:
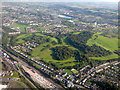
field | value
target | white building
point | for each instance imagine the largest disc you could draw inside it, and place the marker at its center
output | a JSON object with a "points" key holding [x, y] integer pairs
{"points": [[2, 87]]}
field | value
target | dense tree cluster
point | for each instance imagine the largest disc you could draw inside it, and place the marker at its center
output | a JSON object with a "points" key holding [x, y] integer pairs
{"points": [[97, 51], [106, 85], [64, 52], [81, 38], [117, 52], [79, 41], [61, 52]]}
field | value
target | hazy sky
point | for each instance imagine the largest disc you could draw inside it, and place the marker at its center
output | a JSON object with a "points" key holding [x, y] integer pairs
{"points": [[66, 0]]}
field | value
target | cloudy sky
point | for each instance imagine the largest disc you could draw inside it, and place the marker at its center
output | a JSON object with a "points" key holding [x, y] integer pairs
{"points": [[65, 0]]}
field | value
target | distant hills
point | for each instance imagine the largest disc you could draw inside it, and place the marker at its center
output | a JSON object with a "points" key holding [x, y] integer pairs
{"points": [[60, 0]]}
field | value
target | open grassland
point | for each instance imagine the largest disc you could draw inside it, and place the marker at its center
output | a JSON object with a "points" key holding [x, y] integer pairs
{"points": [[68, 71], [74, 20], [15, 75], [44, 52], [23, 36], [44, 28], [74, 71], [52, 38], [46, 55], [105, 42], [64, 63], [113, 56], [76, 32], [20, 38], [20, 41], [21, 26], [110, 44]]}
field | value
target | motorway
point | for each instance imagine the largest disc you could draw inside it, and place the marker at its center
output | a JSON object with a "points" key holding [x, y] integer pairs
{"points": [[25, 77], [25, 64], [81, 85], [16, 68]]}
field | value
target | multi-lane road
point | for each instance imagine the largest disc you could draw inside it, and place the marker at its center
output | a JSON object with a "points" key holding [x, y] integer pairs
{"points": [[81, 85], [27, 65]]}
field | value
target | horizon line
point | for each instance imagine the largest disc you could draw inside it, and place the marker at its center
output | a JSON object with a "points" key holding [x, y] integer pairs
{"points": [[67, 2]]}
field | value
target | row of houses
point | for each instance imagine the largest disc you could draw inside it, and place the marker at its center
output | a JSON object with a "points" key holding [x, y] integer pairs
{"points": [[14, 33]]}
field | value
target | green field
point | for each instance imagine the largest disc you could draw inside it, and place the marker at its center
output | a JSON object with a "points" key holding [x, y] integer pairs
{"points": [[76, 32], [42, 54], [21, 26], [20, 41], [23, 36], [68, 71], [113, 56], [110, 44], [52, 38], [74, 20], [43, 28], [74, 71], [20, 38], [105, 42], [15, 75], [46, 54]]}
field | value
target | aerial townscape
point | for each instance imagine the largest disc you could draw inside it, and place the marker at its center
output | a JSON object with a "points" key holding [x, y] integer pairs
{"points": [[56, 45]]}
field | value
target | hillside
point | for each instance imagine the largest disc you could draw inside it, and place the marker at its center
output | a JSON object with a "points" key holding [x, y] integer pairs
{"points": [[93, 46]]}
